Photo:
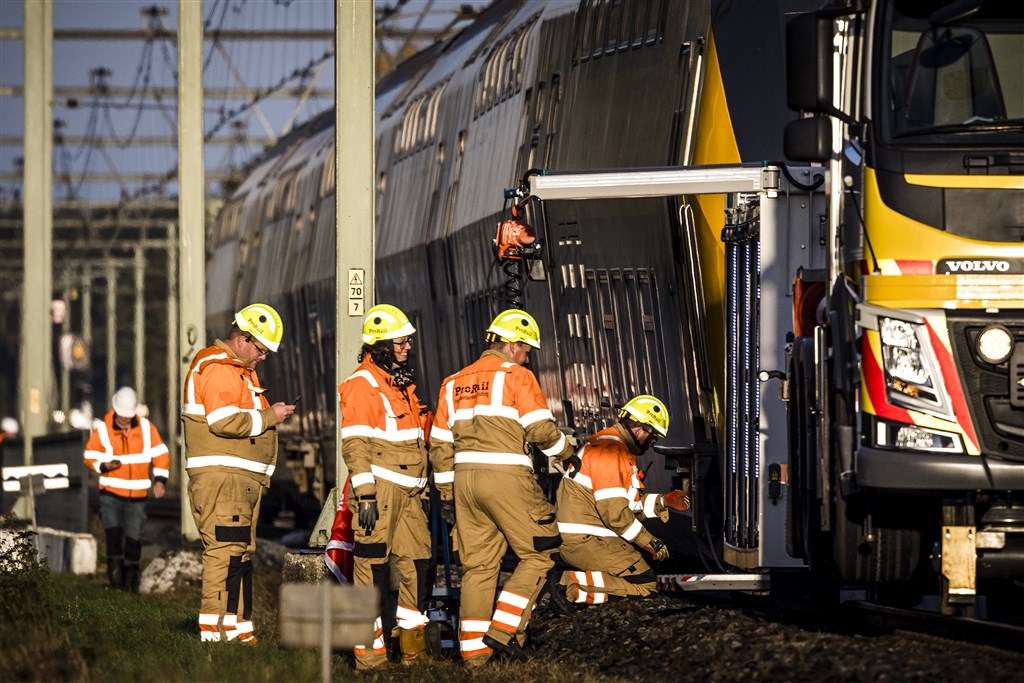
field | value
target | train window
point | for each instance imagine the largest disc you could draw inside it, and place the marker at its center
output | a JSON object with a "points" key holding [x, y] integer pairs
{"points": [[583, 28], [655, 22], [327, 176], [382, 186], [643, 10], [597, 44], [627, 25], [611, 39]]}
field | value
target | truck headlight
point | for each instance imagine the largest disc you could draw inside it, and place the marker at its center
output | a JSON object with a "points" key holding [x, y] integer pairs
{"points": [[912, 376], [995, 344], [915, 438]]}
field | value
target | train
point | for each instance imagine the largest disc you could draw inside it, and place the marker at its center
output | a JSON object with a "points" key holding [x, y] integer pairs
{"points": [[840, 344]]}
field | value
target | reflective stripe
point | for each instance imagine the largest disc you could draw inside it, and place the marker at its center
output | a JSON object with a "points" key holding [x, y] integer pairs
{"points": [[208, 618], [485, 410], [101, 431], [130, 459], [557, 448], [590, 579], [244, 626], [507, 618], [198, 461], [571, 528], [161, 472], [397, 478], [159, 450], [633, 531], [393, 435], [190, 388], [481, 458], [474, 625], [257, 422], [221, 413], [471, 644], [536, 416], [442, 434], [444, 477], [356, 430], [514, 599], [410, 619], [449, 401], [362, 478], [581, 479], [365, 374], [127, 484], [378, 640], [193, 409], [613, 492], [509, 611], [650, 501]]}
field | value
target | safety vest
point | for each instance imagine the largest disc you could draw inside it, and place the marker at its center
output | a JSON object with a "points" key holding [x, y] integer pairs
{"points": [[229, 424], [381, 431], [136, 450], [488, 415], [606, 498]]}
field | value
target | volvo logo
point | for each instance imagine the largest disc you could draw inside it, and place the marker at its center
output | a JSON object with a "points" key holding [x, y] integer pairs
{"points": [[976, 266]]}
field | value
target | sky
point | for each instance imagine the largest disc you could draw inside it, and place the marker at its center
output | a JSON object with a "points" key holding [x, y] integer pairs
{"points": [[124, 121]]}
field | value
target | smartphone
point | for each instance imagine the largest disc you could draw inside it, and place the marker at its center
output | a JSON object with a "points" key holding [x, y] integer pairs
{"points": [[295, 400]]}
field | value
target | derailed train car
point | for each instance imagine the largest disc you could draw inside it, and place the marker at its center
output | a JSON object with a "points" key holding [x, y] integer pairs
{"points": [[630, 294]]}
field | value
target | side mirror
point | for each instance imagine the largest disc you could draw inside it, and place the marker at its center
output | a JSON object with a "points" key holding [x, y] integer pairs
{"points": [[809, 63], [808, 139]]}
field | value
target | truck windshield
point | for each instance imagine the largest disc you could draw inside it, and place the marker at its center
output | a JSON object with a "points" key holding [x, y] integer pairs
{"points": [[954, 82]]}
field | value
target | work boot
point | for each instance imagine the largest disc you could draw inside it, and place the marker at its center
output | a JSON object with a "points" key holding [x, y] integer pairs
{"points": [[561, 597], [413, 644], [115, 572], [511, 650], [132, 578]]}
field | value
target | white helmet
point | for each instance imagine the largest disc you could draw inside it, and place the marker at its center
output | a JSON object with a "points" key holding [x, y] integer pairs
{"points": [[126, 402], [9, 425]]}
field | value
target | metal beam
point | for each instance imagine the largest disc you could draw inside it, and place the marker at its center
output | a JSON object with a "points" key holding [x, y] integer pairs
{"points": [[659, 182], [139, 141], [94, 223], [79, 92], [12, 176], [11, 33]]}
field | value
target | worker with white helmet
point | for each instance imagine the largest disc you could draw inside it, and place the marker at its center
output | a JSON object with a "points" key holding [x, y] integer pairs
{"points": [[230, 454], [382, 442], [490, 415], [601, 501], [122, 449]]}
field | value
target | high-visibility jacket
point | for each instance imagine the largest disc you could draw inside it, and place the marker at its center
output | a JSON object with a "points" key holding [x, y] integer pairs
{"points": [[488, 415], [136, 449], [606, 498], [229, 424], [381, 431]]}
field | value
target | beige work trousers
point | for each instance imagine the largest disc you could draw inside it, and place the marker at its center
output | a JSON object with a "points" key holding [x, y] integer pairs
{"points": [[609, 565], [225, 508], [401, 536], [497, 508]]}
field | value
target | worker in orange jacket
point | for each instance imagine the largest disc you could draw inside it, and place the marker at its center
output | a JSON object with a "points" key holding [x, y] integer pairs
{"points": [[122, 448], [489, 416], [230, 455], [383, 446], [601, 501]]}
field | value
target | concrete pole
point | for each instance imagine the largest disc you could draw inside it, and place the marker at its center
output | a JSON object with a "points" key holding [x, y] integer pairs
{"points": [[191, 212], [140, 322], [36, 371], [111, 332], [354, 218], [87, 322], [173, 364]]}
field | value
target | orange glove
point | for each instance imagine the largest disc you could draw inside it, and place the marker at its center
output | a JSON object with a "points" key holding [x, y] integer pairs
{"points": [[657, 549], [677, 500]]}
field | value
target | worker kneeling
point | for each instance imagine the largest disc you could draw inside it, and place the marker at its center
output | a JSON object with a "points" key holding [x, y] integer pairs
{"points": [[601, 502]]}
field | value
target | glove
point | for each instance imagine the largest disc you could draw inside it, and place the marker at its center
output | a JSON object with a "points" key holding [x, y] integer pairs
{"points": [[368, 513], [448, 512], [574, 462], [657, 549], [677, 500]]}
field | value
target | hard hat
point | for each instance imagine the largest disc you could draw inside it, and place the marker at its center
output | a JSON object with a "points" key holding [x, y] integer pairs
{"points": [[263, 323], [385, 321], [9, 425], [126, 403], [514, 325], [647, 410]]}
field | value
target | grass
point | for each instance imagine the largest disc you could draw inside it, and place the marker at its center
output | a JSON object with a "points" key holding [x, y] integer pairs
{"points": [[60, 627]]}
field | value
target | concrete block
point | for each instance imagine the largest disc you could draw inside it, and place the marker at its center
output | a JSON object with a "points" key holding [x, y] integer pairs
{"points": [[67, 551]]}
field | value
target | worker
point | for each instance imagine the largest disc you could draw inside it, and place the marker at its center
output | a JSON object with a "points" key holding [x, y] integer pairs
{"points": [[230, 454], [382, 423], [489, 416], [601, 500], [122, 448]]}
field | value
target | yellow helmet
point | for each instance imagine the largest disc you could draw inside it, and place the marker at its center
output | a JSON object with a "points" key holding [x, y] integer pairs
{"points": [[263, 323], [647, 410], [385, 321], [514, 325]]}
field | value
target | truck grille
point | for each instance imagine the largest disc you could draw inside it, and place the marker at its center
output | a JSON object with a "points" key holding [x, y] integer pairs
{"points": [[999, 424]]}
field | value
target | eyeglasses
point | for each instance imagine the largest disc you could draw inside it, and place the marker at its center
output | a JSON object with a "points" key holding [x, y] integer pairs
{"points": [[262, 351], [402, 343]]}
